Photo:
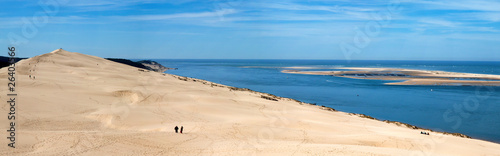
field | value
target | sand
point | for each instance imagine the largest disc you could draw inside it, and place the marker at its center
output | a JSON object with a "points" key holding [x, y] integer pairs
{"points": [[408, 76], [85, 105]]}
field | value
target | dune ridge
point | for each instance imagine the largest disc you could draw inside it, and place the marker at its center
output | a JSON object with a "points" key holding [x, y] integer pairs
{"points": [[86, 105]]}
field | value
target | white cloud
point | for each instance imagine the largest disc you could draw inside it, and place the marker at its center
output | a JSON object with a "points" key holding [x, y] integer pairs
{"points": [[482, 10], [111, 5], [291, 6], [439, 22], [18, 22], [472, 5], [485, 16], [177, 16]]}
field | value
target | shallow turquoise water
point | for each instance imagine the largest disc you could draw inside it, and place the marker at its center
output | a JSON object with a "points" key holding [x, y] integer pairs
{"points": [[474, 111]]}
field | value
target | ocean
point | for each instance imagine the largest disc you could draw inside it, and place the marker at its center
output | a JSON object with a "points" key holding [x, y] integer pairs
{"points": [[470, 110]]}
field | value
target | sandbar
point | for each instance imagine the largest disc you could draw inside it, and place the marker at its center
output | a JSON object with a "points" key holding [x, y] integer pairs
{"points": [[409, 76]]}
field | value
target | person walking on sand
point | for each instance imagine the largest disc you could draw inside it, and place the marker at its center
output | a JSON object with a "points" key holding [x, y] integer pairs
{"points": [[176, 128], [182, 128]]}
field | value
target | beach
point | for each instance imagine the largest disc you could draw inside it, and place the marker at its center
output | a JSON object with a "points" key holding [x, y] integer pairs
{"points": [[71, 103]]}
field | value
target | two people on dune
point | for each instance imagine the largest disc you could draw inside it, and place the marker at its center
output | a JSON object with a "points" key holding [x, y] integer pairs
{"points": [[177, 128]]}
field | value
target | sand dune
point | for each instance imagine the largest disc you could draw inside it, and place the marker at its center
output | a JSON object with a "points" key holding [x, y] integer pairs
{"points": [[86, 105]]}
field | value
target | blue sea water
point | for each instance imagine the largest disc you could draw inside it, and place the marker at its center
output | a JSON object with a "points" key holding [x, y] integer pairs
{"points": [[470, 110]]}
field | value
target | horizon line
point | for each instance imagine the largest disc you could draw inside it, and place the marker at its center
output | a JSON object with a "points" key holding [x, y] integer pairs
{"points": [[284, 59], [305, 59]]}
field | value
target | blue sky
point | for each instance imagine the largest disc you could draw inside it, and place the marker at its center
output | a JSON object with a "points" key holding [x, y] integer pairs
{"points": [[240, 29]]}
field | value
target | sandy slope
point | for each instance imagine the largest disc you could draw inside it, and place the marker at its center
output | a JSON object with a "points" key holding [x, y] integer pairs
{"points": [[85, 105]]}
